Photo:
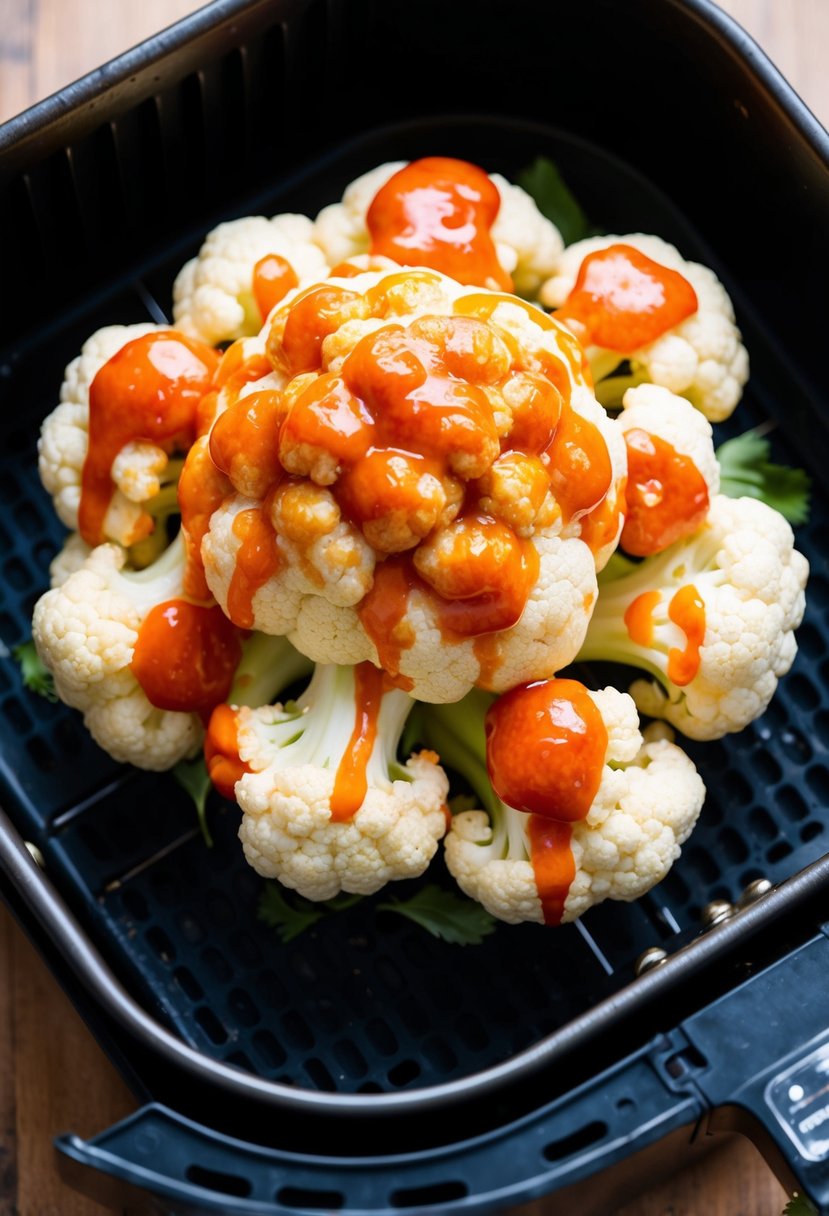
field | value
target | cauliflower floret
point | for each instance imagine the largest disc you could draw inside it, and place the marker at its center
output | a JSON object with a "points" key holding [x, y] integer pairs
{"points": [[527, 244], [213, 297], [315, 831], [392, 428], [71, 557], [64, 437], [85, 631], [665, 501], [711, 618], [702, 358], [647, 802]]}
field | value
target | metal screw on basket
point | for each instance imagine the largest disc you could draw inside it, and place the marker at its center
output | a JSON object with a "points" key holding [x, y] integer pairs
{"points": [[754, 891], [36, 854], [652, 958], [715, 913]]}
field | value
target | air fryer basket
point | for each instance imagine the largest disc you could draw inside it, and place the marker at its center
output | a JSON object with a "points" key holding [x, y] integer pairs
{"points": [[430, 1076]]}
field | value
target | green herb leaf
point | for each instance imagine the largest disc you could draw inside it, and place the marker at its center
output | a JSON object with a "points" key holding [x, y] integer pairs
{"points": [[552, 196], [36, 677], [193, 778], [745, 470], [292, 916], [799, 1205], [445, 915]]}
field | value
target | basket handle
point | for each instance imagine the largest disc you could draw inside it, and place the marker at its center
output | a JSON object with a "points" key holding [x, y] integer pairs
{"points": [[760, 1058], [194, 1169]]}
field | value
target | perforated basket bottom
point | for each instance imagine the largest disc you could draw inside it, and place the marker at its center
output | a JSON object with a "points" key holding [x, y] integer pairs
{"points": [[364, 1001]]}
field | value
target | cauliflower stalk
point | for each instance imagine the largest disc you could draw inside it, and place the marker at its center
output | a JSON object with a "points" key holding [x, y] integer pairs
{"points": [[427, 431], [702, 358], [647, 802], [711, 618], [322, 816]]}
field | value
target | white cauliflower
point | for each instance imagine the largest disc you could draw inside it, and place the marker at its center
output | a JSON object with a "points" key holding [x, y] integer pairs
{"points": [[349, 522], [70, 558], [213, 297], [646, 805], [740, 584], [527, 244], [702, 358], [85, 631], [389, 826], [659, 508]]}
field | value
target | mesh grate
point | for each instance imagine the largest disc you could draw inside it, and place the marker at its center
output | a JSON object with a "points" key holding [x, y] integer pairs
{"points": [[366, 1002]]}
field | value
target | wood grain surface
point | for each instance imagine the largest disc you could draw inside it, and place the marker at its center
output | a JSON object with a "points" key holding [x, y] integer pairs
{"points": [[53, 1076]]}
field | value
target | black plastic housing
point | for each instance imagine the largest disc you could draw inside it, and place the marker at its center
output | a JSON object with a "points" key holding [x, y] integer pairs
{"points": [[542, 1057]]}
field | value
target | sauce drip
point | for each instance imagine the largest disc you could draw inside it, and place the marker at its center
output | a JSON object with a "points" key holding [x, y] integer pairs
{"points": [[149, 390], [687, 610], [545, 749], [438, 212], [244, 442], [221, 751], [382, 612], [351, 782], [625, 300], [186, 656], [639, 617], [202, 488], [554, 865], [257, 559], [666, 495], [273, 278]]}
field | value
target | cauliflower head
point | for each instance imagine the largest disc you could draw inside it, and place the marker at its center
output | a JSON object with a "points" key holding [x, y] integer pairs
{"points": [[647, 803], [702, 358], [711, 618], [528, 245], [315, 830], [85, 630], [436, 491], [214, 295]]}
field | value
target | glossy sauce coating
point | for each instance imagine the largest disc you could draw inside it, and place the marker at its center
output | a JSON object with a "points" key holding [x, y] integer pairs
{"points": [[202, 488], [351, 782], [639, 617], [438, 212], [149, 390], [666, 495], [186, 656], [626, 300], [545, 747], [273, 278], [580, 470], [221, 751], [244, 442], [687, 610]]}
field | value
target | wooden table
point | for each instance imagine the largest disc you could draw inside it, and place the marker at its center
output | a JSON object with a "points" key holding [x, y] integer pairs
{"points": [[53, 1077]]}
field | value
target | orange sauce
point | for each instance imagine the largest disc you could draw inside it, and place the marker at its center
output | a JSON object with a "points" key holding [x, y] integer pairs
{"points": [[438, 212], [545, 749], [244, 442], [311, 318], [328, 415], [554, 865], [149, 390], [639, 617], [666, 495], [257, 559], [202, 488], [487, 650], [186, 656], [600, 526], [273, 278], [382, 611], [625, 300], [351, 782], [580, 470], [687, 610], [221, 751]]}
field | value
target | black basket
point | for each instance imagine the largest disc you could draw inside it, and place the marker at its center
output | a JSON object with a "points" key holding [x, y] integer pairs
{"points": [[366, 1067]]}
